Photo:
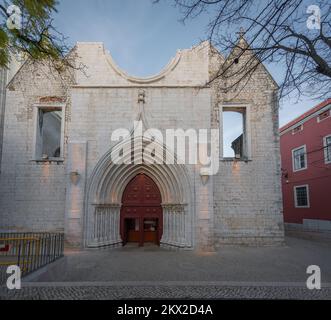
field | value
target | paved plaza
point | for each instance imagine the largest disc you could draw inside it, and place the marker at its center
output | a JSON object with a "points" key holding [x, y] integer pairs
{"points": [[152, 272]]}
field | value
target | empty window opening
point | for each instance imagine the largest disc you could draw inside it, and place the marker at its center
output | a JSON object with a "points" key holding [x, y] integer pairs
{"points": [[48, 143], [234, 135]]}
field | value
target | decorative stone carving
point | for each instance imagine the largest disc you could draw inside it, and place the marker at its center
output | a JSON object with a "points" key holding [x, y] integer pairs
{"points": [[106, 229], [74, 177], [141, 96], [174, 225]]}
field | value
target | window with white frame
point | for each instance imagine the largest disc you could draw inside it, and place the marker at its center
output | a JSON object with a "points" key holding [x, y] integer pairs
{"points": [[234, 131], [49, 133], [327, 149], [299, 156], [301, 196]]}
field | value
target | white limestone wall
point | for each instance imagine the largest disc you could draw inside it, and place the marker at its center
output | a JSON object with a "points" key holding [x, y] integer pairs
{"points": [[189, 67], [247, 195], [241, 204], [97, 112], [32, 194]]}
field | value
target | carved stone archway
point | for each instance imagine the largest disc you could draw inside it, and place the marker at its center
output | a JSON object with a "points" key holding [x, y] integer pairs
{"points": [[104, 195]]}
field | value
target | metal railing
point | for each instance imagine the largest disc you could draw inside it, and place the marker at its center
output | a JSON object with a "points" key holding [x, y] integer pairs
{"points": [[29, 251]]}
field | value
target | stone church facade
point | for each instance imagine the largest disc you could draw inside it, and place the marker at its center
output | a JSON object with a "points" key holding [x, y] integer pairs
{"points": [[57, 173]]}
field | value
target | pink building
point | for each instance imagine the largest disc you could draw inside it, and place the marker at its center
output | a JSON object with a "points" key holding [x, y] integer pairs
{"points": [[306, 166]]}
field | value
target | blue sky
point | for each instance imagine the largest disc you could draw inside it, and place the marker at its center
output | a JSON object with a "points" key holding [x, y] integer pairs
{"points": [[142, 36]]}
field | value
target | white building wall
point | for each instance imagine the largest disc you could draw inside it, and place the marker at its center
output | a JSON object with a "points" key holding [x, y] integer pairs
{"points": [[241, 204], [32, 193]]}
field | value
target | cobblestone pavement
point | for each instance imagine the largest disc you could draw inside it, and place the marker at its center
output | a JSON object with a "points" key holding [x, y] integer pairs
{"points": [[90, 292], [152, 272]]}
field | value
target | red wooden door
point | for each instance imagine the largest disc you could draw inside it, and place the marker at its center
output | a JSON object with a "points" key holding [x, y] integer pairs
{"points": [[141, 212]]}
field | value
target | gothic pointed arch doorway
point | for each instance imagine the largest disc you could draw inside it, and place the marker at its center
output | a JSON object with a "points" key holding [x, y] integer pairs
{"points": [[141, 219]]}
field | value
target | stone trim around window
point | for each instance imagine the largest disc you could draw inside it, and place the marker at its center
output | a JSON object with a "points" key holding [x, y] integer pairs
{"points": [[247, 145], [38, 158]]}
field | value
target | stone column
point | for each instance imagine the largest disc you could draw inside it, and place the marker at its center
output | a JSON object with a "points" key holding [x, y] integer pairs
{"points": [[205, 213], [106, 226], [75, 193], [174, 225], [3, 82], [165, 236]]}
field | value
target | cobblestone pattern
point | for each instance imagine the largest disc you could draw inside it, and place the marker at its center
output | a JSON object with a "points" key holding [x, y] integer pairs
{"points": [[163, 292]]}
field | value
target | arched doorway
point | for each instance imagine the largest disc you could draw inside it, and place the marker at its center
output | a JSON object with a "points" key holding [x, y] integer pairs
{"points": [[105, 192], [141, 218]]}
